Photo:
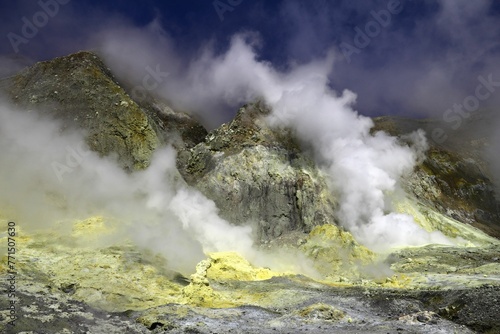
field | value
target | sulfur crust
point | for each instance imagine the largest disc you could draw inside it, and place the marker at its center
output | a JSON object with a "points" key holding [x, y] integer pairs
{"points": [[120, 277]]}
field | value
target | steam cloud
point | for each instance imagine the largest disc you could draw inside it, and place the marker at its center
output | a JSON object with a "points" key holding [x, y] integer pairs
{"points": [[364, 169], [161, 214]]}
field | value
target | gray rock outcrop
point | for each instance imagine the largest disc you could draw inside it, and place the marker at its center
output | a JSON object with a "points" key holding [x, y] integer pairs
{"points": [[455, 178], [255, 175], [260, 176], [81, 91]]}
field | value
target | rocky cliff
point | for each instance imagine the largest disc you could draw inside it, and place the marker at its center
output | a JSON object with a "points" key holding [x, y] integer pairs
{"points": [[455, 178], [256, 175], [81, 91], [260, 176]]}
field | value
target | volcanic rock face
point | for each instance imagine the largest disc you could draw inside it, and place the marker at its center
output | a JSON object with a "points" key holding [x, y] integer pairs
{"points": [[258, 175], [173, 127], [454, 179], [80, 91], [255, 174]]}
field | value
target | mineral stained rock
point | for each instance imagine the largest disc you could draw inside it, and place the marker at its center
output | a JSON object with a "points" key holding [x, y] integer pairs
{"points": [[454, 179], [80, 91], [173, 127], [63, 280], [260, 176]]}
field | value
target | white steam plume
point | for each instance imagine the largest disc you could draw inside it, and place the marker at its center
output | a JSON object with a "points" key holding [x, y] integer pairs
{"points": [[155, 210], [364, 169]]}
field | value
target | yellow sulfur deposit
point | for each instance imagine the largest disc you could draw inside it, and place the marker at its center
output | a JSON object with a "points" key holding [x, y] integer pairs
{"points": [[222, 267], [335, 252], [91, 227], [432, 220], [92, 265], [232, 266], [116, 278], [200, 293], [88, 265]]}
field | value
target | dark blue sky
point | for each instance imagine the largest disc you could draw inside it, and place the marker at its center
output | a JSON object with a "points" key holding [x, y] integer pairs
{"points": [[420, 59]]}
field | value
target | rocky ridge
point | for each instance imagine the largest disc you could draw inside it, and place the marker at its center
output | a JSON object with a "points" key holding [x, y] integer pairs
{"points": [[454, 179], [81, 91]]}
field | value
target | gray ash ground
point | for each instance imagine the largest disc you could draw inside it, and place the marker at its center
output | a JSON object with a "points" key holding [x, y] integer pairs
{"points": [[323, 310]]}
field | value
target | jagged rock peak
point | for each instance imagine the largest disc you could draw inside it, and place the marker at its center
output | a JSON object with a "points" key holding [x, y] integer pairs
{"points": [[82, 92], [79, 90]]}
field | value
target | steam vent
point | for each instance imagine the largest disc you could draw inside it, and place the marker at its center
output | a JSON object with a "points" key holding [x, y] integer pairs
{"points": [[127, 215]]}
